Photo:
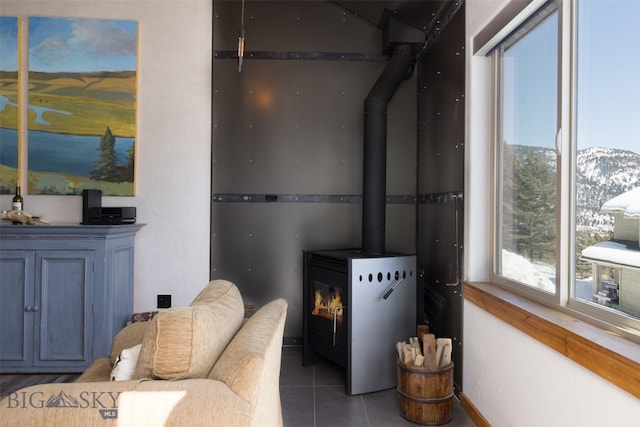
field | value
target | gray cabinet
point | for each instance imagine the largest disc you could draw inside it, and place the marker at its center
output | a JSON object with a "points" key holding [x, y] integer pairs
{"points": [[65, 291]]}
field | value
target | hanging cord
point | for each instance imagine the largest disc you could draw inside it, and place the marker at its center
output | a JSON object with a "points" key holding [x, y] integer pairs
{"points": [[241, 40]]}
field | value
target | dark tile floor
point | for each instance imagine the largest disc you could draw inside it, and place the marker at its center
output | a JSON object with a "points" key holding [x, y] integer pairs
{"points": [[314, 396]]}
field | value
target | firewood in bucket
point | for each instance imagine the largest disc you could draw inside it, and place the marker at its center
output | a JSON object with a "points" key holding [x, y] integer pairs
{"points": [[429, 351], [414, 342], [443, 351], [409, 355], [419, 360], [436, 352]]}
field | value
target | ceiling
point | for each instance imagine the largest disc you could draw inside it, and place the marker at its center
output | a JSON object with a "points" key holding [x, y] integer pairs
{"points": [[423, 14]]}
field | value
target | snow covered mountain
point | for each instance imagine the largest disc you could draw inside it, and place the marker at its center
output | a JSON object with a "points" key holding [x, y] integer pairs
{"points": [[603, 173]]}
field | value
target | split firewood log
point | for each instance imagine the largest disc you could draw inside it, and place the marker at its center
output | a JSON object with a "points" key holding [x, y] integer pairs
{"points": [[429, 351], [443, 351], [414, 342], [409, 356], [419, 361]]}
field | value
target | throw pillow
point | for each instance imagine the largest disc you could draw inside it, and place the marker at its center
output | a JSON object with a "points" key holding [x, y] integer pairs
{"points": [[125, 364], [185, 342]]}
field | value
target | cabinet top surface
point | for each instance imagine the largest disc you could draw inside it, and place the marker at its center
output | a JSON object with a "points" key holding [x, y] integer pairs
{"points": [[67, 230]]}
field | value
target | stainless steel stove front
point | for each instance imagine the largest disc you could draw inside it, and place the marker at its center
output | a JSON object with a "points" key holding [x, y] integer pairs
{"points": [[382, 311]]}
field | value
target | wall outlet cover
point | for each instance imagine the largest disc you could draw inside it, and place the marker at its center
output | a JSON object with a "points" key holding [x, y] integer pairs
{"points": [[164, 301]]}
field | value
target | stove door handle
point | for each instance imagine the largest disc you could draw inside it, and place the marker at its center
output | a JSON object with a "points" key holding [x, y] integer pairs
{"points": [[393, 288], [335, 321]]}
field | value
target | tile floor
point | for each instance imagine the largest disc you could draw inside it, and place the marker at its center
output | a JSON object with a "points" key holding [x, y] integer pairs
{"points": [[314, 396]]}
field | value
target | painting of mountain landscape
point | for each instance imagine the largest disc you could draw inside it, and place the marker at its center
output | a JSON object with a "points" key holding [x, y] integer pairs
{"points": [[82, 106], [8, 104]]}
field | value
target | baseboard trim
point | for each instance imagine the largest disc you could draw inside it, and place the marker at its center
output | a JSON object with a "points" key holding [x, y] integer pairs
{"points": [[473, 412]]}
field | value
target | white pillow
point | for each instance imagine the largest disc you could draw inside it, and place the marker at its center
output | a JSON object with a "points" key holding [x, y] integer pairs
{"points": [[126, 364]]}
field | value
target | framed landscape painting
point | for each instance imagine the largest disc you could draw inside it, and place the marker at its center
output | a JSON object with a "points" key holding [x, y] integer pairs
{"points": [[82, 106], [8, 104]]}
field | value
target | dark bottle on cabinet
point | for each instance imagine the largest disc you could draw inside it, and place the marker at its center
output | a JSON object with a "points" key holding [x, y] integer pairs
{"points": [[17, 203]]}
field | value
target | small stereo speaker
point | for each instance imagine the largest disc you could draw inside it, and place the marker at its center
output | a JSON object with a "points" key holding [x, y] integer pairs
{"points": [[90, 199]]}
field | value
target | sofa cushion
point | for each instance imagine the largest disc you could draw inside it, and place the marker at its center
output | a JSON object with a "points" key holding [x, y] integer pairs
{"points": [[125, 365], [185, 342], [129, 336], [219, 292]]}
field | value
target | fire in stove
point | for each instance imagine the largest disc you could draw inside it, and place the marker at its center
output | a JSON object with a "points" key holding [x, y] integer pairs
{"points": [[328, 304]]}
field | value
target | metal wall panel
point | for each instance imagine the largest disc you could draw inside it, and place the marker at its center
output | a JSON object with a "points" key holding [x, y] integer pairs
{"points": [[297, 127], [442, 112], [290, 126], [440, 178], [286, 127], [259, 246], [306, 26]]}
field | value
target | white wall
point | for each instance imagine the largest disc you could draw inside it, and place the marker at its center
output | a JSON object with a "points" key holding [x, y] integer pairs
{"points": [[511, 378], [173, 142], [514, 380]]}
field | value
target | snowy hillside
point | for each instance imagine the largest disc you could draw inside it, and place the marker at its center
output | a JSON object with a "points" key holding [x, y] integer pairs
{"points": [[603, 173]]}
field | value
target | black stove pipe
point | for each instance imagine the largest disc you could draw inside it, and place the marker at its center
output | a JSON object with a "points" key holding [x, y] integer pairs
{"points": [[399, 68]]}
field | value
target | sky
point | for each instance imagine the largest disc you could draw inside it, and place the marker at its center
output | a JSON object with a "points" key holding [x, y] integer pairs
{"points": [[8, 43], [608, 76], [608, 87], [73, 45]]}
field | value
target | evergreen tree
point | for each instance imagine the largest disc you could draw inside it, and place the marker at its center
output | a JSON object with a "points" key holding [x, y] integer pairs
{"points": [[106, 168], [535, 207], [127, 171], [509, 172]]}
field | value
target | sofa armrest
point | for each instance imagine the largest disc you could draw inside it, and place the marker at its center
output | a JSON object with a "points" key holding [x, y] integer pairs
{"points": [[130, 335], [250, 365]]}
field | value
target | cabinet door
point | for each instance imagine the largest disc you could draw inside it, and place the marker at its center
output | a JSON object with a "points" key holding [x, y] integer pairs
{"points": [[16, 300], [64, 319]]}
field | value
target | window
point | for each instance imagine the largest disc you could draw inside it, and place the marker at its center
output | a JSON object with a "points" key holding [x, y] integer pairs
{"points": [[528, 92], [607, 146], [567, 159]]}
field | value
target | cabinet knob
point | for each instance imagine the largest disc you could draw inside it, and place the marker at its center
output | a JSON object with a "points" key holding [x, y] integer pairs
{"points": [[27, 309], [35, 308]]}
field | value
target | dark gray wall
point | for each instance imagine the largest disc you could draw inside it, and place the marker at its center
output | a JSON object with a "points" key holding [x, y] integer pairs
{"points": [[287, 144], [440, 181], [287, 148]]}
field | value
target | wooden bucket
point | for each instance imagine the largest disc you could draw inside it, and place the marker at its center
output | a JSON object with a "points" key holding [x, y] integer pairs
{"points": [[425, 396]]}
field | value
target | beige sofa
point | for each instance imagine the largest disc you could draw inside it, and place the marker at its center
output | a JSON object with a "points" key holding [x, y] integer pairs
{"points": [[201, 365]]}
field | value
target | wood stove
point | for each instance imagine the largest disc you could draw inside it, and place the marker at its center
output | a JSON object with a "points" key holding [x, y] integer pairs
{"points": [[356, 307], [359, 303]]}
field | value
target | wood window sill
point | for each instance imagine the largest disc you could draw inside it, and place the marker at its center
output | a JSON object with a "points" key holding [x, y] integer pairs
{"points": [[610, 356]]}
